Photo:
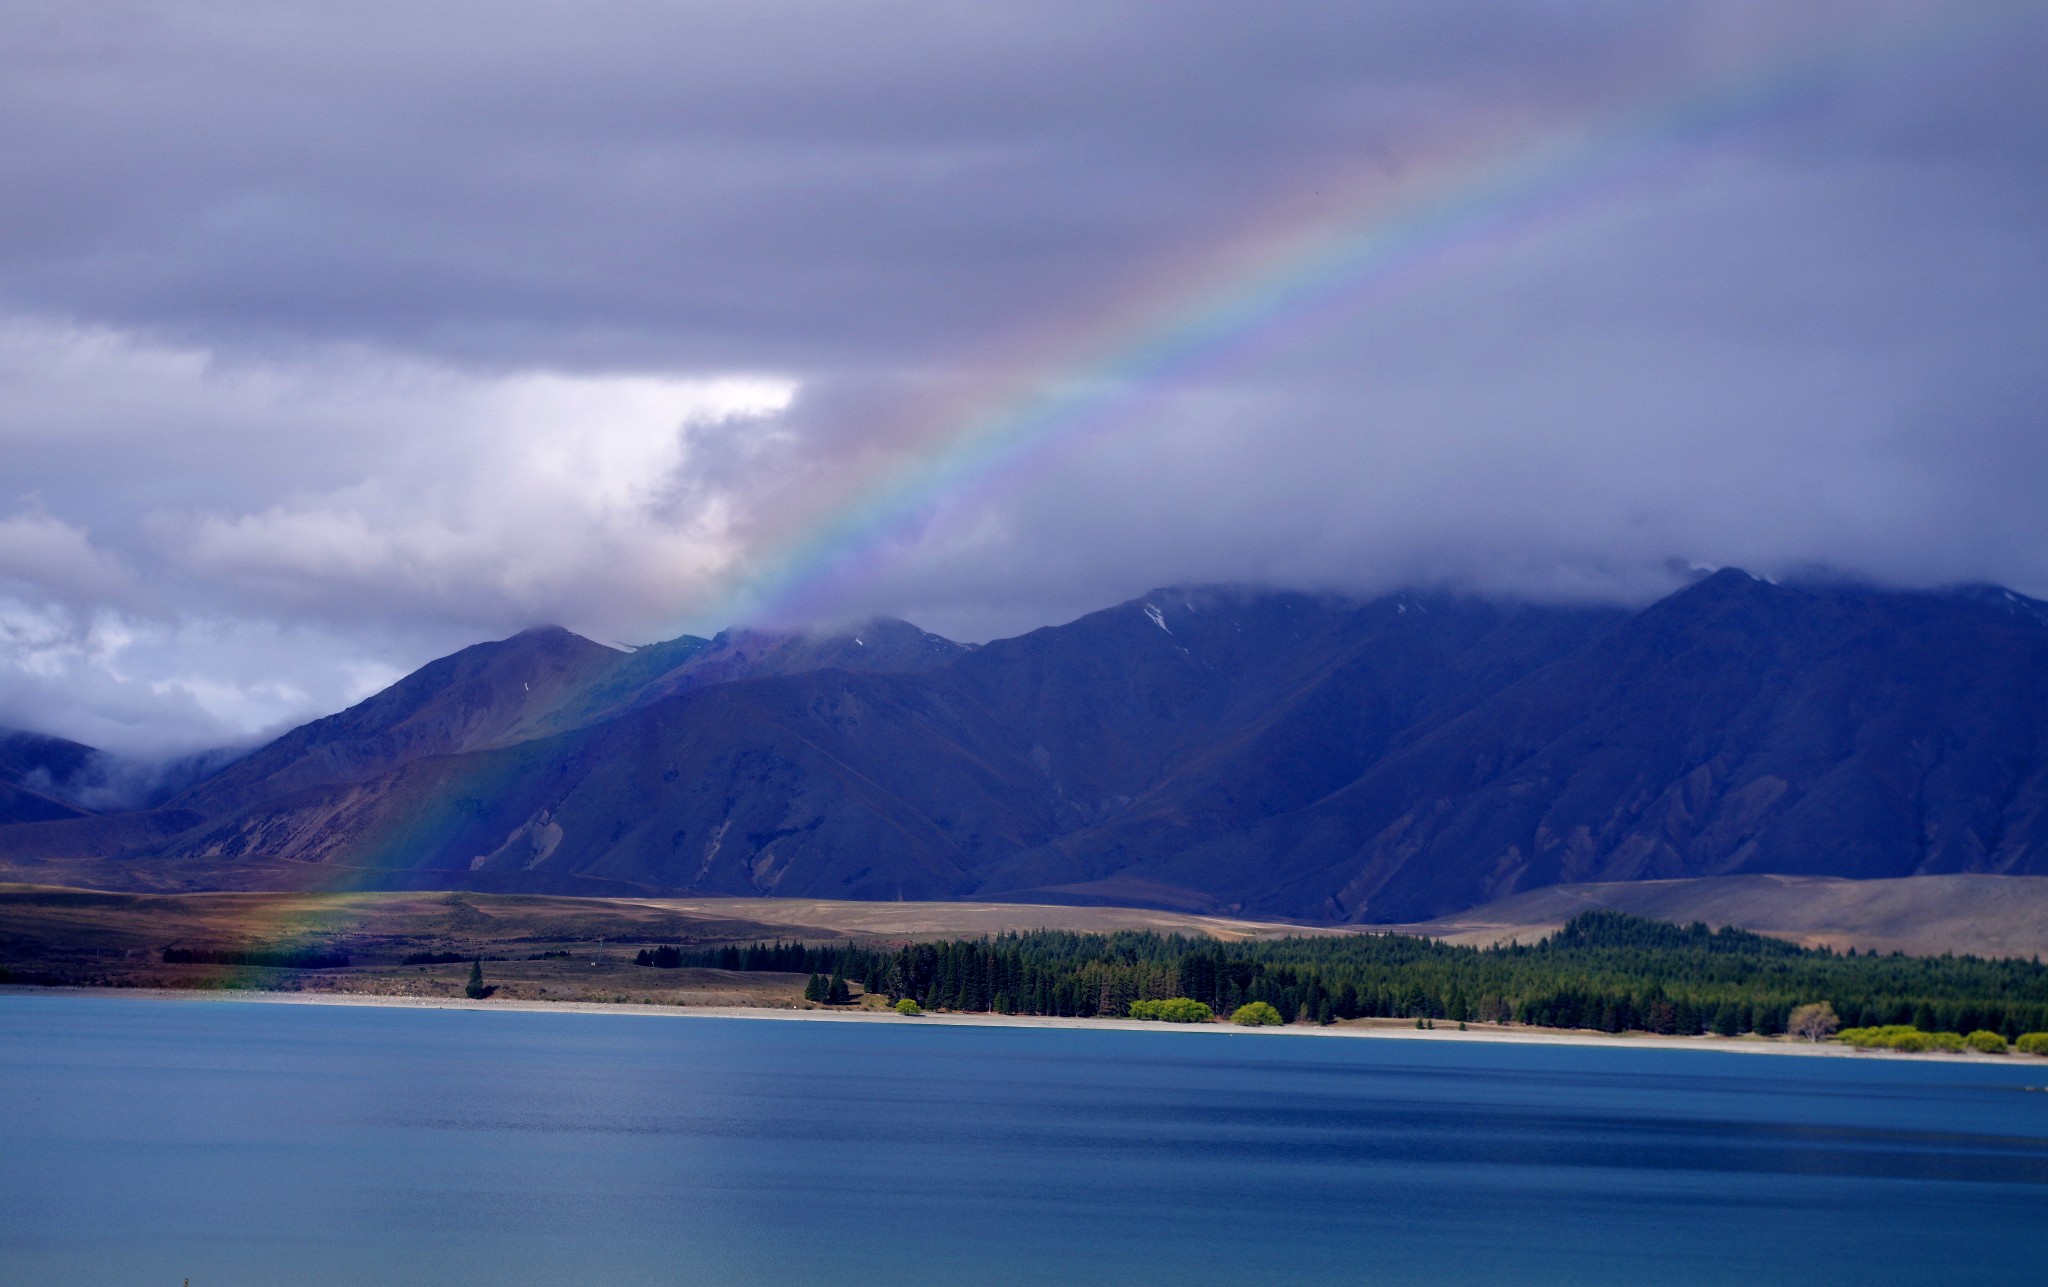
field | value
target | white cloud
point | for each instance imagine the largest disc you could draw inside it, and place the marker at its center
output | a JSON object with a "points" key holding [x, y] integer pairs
{"points": [[339, 492], [58, 559], [534, 495], [371, 482], [328, 357]]}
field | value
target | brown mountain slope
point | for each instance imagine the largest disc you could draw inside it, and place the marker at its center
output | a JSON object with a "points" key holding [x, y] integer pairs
{"points": [[1286, 755], [34, 773], [1919, 915], [537, 684], [870, 786], [1737, 726]]}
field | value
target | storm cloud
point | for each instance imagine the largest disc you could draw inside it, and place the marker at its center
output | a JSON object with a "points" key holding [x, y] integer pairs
{"points": [[336, 337]]}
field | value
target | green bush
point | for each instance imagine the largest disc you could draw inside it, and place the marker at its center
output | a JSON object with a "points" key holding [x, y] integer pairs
{"points": [[1906, 1037], [1876, 1038], [909, 1006], [1256, 1014], [1173, 1010], [2032, 1043], [1605, 970], [1988, 1042]]}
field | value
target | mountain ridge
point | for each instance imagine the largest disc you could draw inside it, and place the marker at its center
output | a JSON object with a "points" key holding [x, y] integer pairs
{"points": [[1213, 748]]}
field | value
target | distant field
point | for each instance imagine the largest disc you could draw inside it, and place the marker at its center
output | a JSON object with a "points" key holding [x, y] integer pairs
{"points": [[584, 946], [954, 920], [1918, 915], [558, 948], [94, 937]]}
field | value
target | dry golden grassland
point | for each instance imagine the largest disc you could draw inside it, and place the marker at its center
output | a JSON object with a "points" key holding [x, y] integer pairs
{"points": [[1919, 915], [536, 948]]}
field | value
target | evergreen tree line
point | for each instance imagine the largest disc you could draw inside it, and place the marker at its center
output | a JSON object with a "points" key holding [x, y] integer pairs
{"points": [[1603, 970], [832, 991], [311, 958]]}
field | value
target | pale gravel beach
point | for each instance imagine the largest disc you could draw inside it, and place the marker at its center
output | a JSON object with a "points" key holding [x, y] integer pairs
{"points": [[1497, 1036]]}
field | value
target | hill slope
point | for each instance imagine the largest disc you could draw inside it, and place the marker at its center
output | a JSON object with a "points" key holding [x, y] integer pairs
{"points": [[35, 772], [1736, 727], [1208, 749], [1917, 915]]}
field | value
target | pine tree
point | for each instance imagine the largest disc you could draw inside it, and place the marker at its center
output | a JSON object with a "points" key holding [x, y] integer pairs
{"points": [[837, 993], [1604, 971], [815, 990], [475, 990]]}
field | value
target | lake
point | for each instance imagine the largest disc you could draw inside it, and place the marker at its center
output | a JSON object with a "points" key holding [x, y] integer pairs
{"points": [[149, 1141]]}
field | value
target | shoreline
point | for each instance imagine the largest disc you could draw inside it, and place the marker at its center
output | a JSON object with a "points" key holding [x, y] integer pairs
{"points": [[1490, 1036]]}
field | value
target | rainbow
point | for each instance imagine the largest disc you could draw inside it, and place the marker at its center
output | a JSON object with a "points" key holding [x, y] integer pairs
{"points": [[1300, 269], [1350, 244]]}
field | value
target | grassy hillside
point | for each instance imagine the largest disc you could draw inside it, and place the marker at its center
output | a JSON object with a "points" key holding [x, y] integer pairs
{"points": [[1918, 915], [583, 945]]}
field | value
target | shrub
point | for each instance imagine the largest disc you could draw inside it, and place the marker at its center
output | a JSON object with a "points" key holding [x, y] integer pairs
{"points": [[2032, 1043], [1173, 1010], [1903, 1036], [1256, 1014], [1816, 1022], [909, 1006], [309, 958], [1988, 1042], [433, 958]]}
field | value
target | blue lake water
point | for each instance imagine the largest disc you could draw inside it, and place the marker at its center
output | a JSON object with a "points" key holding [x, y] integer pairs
{"points": [[146, 1141]]}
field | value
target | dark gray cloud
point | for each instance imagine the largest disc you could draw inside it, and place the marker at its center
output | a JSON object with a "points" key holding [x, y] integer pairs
{"points": [[332, 337]]}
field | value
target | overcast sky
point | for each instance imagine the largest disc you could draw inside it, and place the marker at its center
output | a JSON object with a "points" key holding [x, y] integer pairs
{"points": [[335, 337]]}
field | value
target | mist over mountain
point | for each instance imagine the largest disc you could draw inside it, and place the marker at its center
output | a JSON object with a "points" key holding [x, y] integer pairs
{"points": [[35, 774], [323, 354], [1210, 748], [46, 778]]}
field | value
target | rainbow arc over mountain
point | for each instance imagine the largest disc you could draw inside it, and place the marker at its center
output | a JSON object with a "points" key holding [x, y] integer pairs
{"points": [[1355, 242], [1351, 244]]}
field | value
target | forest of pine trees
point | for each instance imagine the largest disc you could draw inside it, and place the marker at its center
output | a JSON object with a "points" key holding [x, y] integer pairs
{"points": [[832, 991], [1604, 970], [310, 958]]}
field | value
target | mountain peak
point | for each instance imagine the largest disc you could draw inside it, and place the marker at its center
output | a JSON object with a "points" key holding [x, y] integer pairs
{"points": [[1234, 747], [1999, 598], [1731, 578], [550, 637]]}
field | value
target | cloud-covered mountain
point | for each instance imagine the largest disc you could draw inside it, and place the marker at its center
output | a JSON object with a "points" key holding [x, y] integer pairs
{"points": [[1289, 754], [37, 774], [330, 344]]}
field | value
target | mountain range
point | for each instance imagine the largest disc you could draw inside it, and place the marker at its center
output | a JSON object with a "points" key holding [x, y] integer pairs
{"points": [[1200, 748]]}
